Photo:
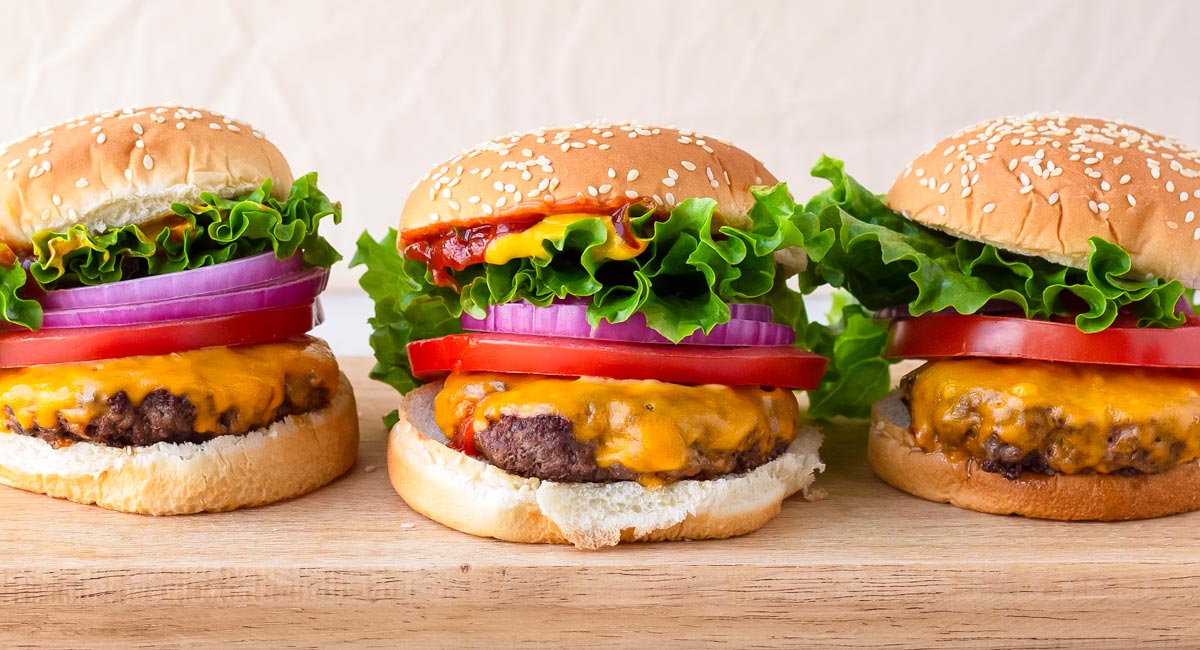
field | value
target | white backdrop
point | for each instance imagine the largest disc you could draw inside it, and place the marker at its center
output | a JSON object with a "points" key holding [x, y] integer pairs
{"points": [[372, 93]]}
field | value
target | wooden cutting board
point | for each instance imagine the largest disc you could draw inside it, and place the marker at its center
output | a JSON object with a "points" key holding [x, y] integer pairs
{"points": [[352, 566]]}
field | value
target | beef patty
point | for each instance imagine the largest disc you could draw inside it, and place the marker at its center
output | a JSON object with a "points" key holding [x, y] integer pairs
{"points": [[545, 447], [162, 417], [1045, 418]]}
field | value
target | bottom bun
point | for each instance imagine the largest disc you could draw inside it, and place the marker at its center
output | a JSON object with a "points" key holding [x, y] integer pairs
{"points": [[1065, 497], [481, 499], [295, 455]]}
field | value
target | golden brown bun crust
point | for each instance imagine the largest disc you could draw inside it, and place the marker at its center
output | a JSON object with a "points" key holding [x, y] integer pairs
{"points": [[590, 167], [1075, 497], [481, 499], [127, 167], [291, 457], [1083, 177]]}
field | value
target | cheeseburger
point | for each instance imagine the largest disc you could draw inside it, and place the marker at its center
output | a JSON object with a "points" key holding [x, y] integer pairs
{"points": [[1039, 266], [594, 310], [161, 268]]}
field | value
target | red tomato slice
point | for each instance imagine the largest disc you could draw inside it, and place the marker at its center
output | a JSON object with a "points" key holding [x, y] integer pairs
{"points": [[19, 349], [946, 336], [681, 364]]}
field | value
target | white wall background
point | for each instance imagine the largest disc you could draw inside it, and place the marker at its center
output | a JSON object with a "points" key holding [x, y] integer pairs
{"points": [[372, 93]]}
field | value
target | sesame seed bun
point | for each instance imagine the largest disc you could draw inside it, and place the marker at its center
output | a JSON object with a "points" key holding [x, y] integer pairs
{"points": [[1064, 497], [475, 497], [590, 167], [1042, 185], [126, 167]]}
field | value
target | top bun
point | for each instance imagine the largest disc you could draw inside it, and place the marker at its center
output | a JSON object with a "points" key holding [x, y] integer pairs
{"points": [[126, 167], [589, 167], [1042, 185]]}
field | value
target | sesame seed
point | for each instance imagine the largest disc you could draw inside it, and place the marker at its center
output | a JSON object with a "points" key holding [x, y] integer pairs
{"points": [[670, 198], [604, 147], [1012, 165], [56, 199], [1103, 207], [148, 162], [672, 174], [498, 186], [139, 144], [501, 201], [966, 192], [1124, 179], [1196, 235], [1024, 179], [943, 188], [217, 127], [1026, 189], [1183, 196], [1132, 201], [612, 173], [941, 209], [453, 205], [669, 182], [1093, 207], [100, 139], [180, 125], [592, 190], [688, 165], [473, 199], [128, 174], [509, 187], [487, 209], [1170, 186], [631, 194], [137, 128], [1053, 198], [987, 209], [605, 188], [81, 183], [1190, 216], [1105, 186], [632, 175]]}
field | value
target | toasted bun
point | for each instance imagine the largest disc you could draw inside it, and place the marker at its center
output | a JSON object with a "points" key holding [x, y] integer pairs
{"points": [[291, 457], [481, 499], [1042, 185], [127, 167], [585, 168], [1066, 497]]}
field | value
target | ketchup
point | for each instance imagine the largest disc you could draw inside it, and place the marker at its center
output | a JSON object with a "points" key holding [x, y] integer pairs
{"points": [[457, 248], [465, 440]]}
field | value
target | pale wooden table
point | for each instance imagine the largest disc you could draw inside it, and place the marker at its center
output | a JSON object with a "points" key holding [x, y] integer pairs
{"points": [[352, 566]]}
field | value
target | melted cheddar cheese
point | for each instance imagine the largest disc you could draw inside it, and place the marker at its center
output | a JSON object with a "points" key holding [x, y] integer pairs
{"points": [[250, 379], [1078, 417], [529, 243], [648, 427]]}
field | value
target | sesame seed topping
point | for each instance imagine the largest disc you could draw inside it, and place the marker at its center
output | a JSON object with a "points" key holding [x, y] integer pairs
{"points": [[941, 210], [100, 139], [1026, 189], [966, 192], [668, 181], [1132, 201], [942, 189], [214, 126], [1093, 207], [631, 194], [612, 173], [81, 183], [688, 165], [137, 128], [605, 188], [148, 162], [988, 208], [1124, 179], [1190, 216], [56, 199], [632, 175], [1053, 198], [128, 174], [1105, 186]]}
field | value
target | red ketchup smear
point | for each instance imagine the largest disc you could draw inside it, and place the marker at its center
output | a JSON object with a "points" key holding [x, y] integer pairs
{"points": [[465, 440], [457, 248]]}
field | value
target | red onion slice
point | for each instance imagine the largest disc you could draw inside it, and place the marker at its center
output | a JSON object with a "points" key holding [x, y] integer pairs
{"points": [[570, 321], [219, 278], [298, 288]]}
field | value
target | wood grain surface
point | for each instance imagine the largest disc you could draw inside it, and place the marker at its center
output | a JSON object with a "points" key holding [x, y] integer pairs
{"points": [[352, 566]]}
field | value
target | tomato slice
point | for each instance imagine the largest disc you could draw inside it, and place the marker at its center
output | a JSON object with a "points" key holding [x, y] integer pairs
{"points": [[20, 349], [680, 364], [947, 336]]}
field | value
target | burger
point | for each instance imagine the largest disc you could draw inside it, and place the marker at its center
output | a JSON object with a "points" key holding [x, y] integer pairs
{"points": [[1042, 268], [598, 322], [160, 272]]}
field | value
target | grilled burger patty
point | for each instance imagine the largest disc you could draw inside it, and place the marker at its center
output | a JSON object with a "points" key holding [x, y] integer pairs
{"points": [[186, 397], [1035, 416], [603, 430], [545, 447]]}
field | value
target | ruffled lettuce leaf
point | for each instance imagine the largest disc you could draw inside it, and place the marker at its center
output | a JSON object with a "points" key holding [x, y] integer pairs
{"points": [[885, 260], [14, 308], [217, 230], [682, 282]]}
